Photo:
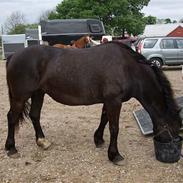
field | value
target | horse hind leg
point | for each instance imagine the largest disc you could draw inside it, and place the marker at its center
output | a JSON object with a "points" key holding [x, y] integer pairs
{"points": [[98, 135], [14, 116], [36, 105]]}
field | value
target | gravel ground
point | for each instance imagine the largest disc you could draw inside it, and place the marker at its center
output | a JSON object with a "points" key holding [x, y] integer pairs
{"points": [[73, 158]]}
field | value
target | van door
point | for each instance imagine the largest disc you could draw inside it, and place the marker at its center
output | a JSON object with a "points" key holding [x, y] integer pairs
{"points": [[169, 51], [180, 50]]}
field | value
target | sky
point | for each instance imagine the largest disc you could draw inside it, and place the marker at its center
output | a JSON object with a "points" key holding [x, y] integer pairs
{"points": [[32, 9], [162, 9]]}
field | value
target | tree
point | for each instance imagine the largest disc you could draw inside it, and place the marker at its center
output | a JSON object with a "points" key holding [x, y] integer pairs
{"points": [[14, 22], [31, 26], [118, 16], [181, 20], [44, 15], [168, 20], [150, 20], [21, 28], [18, 29]]}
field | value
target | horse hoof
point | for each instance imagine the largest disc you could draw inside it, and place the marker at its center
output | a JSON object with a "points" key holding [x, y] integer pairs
{"points": [[13, 154], [99, 143], [43, 143], [119, 160]]}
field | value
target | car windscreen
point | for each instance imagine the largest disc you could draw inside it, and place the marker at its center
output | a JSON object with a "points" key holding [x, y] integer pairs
{"points": [[149, 43]]}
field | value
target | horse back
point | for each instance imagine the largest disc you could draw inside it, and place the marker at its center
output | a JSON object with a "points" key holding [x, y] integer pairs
{"points": [[75, 76]]}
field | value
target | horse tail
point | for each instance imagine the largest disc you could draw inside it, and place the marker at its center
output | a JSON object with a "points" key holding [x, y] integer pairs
{"points": [[8, 60], [25, 112]]}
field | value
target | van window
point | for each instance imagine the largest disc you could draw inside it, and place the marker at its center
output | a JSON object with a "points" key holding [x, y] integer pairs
{"points": [[180, 43], [168, 44], [149, 43]]}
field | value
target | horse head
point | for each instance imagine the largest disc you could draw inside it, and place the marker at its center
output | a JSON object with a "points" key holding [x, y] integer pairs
{"points": [[87, 39], [82, 42], [167, 120], [167, 127]]}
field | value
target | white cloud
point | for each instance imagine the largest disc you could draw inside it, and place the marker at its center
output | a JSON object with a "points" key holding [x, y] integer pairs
{"points": [[165, 9]]}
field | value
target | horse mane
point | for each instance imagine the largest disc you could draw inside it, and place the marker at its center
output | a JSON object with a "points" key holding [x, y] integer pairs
{"points": [[171, 105], [138, 57]]}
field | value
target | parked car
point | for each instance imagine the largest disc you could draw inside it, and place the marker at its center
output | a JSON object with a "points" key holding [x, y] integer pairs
{"points": [[162, 50]]}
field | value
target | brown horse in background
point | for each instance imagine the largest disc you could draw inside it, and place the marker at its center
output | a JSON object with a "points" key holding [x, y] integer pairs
{"points": [[80, 43]]}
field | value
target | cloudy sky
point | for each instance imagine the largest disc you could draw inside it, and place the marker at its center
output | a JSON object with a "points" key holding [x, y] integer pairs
{"points": [[33, 8], [172, 9]]}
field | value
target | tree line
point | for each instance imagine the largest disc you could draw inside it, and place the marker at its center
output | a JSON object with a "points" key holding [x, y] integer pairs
{"points": [[118, 16]]}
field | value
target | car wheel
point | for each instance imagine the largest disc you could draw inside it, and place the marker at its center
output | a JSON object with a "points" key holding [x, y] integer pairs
{"points": [[157, 62]]}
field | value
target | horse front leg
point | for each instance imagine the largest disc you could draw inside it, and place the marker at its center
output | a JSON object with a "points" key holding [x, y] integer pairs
{"points": [[98, 135], [113, 113]]}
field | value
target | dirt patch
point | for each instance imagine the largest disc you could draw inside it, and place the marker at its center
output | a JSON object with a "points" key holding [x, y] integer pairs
{"points": [[73, 156]]}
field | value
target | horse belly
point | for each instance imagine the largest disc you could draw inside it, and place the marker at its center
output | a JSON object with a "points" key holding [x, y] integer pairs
{"points": [[73, 99]]}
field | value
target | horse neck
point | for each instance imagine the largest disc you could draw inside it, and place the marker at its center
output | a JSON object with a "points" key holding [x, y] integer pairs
{"points": [[154, 103], [156, 96], [80, 43]]}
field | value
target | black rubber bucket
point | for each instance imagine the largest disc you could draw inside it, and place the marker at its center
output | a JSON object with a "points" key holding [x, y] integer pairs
{"points": [[169, 152]]}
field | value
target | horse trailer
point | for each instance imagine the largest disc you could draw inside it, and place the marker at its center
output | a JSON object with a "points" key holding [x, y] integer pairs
{"points": [[66, 30], [12, 43], [32, 37]]}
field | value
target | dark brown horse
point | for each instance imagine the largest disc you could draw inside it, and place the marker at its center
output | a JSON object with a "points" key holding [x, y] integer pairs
{"points": [[110, 73]]}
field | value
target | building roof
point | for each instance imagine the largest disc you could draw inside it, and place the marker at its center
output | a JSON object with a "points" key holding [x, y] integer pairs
{"points": [[160, 29]]}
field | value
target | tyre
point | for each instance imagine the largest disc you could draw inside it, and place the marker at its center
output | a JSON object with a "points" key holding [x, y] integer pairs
{"points": [[157, 61]]}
